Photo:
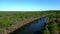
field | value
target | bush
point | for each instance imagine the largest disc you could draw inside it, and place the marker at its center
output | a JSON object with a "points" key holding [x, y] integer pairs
{"points": [[46, 31]]}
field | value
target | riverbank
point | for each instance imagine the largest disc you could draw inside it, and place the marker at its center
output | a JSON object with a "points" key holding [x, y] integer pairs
{"points": [[32, 20], [17, 23]]}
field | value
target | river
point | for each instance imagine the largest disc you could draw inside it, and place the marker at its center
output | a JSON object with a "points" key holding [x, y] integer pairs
{"points": [[35, 28]]}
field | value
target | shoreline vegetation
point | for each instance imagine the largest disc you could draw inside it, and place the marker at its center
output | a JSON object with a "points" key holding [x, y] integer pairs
{"points": [[10, 19]]}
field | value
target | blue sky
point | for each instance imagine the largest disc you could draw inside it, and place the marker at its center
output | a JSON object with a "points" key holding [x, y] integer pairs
{"points": [[29, 5]]}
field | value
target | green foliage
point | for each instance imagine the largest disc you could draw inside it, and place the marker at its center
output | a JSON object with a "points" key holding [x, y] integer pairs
{"points": [[53, 27], [8, 19], [46, 31]]}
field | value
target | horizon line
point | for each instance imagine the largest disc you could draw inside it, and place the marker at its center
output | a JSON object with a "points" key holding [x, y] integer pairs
{"points": [[31, 10]]}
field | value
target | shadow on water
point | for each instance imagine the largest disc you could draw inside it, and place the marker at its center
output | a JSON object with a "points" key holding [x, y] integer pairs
{"points": [[35, 27]]}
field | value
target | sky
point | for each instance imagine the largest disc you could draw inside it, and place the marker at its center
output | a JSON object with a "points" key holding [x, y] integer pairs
{"points": [[29, 5]]}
